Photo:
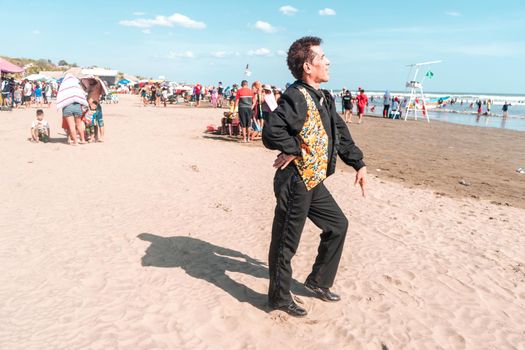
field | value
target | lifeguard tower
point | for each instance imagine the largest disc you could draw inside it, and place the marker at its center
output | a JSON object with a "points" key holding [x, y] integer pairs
{"points": [[416, 91]]}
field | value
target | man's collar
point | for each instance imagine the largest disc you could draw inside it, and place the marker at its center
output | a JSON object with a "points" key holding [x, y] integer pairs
{"points": [[318, 93]]}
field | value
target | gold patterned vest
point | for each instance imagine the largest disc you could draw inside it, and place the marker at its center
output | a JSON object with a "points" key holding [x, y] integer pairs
{"points": [[313, 163]]}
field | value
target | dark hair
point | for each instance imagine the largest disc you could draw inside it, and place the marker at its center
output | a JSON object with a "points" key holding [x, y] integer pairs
{"points": [[244, 82], [300, 52], [39, 112]]}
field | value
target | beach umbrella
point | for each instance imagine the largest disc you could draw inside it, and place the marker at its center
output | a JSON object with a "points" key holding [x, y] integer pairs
{"points": [[124, 82], [8, 67]]}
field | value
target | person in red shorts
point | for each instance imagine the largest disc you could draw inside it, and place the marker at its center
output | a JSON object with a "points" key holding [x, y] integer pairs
{"points": [[362, 102], [244, 103]]}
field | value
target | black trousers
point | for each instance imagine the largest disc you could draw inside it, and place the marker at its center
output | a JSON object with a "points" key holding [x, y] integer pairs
{"points": [[294, 205], [385, 111]]}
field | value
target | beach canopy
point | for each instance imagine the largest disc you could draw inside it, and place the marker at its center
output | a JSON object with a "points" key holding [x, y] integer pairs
{"points": [[183, 87], [124, 82], [37, 77], [8, 67]]}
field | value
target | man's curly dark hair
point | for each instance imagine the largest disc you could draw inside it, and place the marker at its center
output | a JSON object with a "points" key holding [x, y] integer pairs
{"points": [[300, 52]]}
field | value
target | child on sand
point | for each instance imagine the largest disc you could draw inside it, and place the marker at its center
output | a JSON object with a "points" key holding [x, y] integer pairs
{"points": [[164, 95], [17, 95], [40, 130], [144, 96], [98, 121], [89, 124], [362, 102], [38, 95]]}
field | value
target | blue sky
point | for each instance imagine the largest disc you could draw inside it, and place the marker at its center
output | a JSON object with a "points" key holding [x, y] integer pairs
{"points": [[480, 43]]}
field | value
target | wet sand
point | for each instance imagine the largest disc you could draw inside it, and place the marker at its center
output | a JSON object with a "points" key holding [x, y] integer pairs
{"points": [[439, 155]]}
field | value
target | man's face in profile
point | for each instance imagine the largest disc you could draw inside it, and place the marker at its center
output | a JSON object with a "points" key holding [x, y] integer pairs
{"points": [[319, 67]]}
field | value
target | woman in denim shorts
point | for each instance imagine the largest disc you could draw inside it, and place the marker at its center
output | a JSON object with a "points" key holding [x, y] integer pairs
{"points": [[72, 114]]}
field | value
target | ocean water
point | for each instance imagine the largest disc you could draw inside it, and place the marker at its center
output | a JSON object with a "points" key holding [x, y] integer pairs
{"points": [[461, 113], [510, 123]]}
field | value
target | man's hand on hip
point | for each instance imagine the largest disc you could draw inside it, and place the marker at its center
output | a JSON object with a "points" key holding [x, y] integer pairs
{"points": [[283, 160]]}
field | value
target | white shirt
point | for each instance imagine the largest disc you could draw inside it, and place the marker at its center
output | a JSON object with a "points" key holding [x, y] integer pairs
{"points": [[40, 124], [27, 89]]}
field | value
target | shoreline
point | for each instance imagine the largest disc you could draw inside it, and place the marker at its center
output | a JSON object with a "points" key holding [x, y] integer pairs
{"points": [[439, 155]]}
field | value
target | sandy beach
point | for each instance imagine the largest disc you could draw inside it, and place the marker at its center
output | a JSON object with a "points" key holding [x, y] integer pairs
{"points": [[158, 239]]}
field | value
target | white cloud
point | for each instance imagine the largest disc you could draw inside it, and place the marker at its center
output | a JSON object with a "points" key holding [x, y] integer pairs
{"points": [[184, 54], [453, 14], [220, 54], [145, 23], [138, 13], [186, 22], [327, 12], [259, 52], [36, 32], [288, 10], [281, 53], [164, 21], [265, 27], [146, 31]]}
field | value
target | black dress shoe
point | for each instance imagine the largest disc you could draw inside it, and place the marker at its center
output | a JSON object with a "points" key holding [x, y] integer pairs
{"points": [[322, 293], [291, 309]]}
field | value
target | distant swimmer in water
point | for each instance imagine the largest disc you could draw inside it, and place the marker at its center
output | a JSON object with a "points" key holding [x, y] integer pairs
{"points": [[505, 109]]}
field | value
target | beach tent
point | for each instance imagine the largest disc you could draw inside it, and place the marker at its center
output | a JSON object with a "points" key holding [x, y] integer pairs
{"points": [[37, 77], [52, 74], [182, 87], [8, 67], [109, 76], [131, 78]]}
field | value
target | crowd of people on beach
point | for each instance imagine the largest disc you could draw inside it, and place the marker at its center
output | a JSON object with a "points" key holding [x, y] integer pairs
{"points": [[154, 94], [393, 106], [26, 93], [248, 107], [363, 104], [86, 124]]}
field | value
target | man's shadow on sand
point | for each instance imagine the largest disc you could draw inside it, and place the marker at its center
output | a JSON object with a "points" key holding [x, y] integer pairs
{"points": [[209, 262]]}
